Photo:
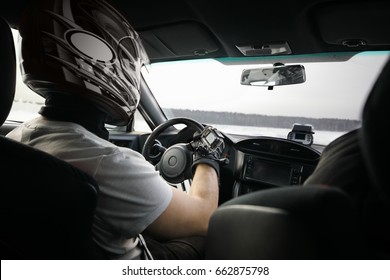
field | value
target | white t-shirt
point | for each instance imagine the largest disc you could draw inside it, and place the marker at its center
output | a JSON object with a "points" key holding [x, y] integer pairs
{"points": [[131, 192]]}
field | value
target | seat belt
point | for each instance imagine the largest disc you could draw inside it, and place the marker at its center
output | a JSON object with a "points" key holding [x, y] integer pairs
{"points": [[147, 253]]}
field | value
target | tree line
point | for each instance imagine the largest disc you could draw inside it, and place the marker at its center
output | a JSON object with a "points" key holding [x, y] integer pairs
{"points": [[229, 118]]}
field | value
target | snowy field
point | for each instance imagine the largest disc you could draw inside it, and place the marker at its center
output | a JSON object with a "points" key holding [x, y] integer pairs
{"points": [[24, 111], [320, 137]]}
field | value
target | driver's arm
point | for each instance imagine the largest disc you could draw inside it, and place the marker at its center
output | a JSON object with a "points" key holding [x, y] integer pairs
{"points": [[188, 214]]}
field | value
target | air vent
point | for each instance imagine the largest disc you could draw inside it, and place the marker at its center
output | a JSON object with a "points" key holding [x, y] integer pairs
{"points": [[279, 147]]}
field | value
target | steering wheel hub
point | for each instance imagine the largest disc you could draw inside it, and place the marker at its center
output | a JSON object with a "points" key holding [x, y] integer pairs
{"points": [[174, 162]]}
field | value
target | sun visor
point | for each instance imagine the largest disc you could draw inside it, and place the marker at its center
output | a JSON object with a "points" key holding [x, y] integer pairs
{"points": [[355, 24], [179, 40]]}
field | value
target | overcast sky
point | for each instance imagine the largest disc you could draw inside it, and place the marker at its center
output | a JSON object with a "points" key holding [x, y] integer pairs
{"points": [[336, 90]]}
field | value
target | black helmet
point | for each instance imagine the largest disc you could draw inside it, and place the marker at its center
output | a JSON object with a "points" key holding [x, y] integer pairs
{"points": [[84, 48]]}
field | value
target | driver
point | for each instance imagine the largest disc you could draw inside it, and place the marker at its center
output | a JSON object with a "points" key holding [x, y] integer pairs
{"points": [[85, 59]]}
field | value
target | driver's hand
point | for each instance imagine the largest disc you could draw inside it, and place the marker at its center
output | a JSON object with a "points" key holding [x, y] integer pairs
{"points": [[208, 147]]}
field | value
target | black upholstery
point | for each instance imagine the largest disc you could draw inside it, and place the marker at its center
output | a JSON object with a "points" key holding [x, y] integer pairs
{"points": [[376, 154], [273, 234], [46, 205], [297, 223], [374, 143]]}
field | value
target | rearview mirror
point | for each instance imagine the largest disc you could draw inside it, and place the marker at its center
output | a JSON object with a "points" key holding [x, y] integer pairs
{"points": [[274, 76]]}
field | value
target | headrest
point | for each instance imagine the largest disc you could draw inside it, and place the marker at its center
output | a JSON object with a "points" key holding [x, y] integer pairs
{"points": [[8, 70], [374, 143]]}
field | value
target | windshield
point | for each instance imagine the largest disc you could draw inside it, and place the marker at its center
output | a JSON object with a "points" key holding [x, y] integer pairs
{"points": [[331, 99]]}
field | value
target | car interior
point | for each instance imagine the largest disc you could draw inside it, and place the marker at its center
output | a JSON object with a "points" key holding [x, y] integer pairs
{"points": [[47, 205]]}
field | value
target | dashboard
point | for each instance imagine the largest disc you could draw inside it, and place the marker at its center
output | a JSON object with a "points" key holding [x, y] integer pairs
{"points": [[265, 162], [254, 163]]}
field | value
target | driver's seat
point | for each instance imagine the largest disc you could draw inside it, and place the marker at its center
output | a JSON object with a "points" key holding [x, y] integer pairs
{"points": [[46, 205]]}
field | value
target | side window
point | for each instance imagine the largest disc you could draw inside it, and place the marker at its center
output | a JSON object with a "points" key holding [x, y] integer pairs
{"points": [[26, 102], [140, 124]]}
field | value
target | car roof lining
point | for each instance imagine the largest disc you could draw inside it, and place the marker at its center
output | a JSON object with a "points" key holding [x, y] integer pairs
{"points": [[216, 26]]}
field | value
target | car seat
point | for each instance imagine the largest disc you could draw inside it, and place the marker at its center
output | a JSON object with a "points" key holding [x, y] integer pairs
{"points": [[373, 143], [46, 205]]}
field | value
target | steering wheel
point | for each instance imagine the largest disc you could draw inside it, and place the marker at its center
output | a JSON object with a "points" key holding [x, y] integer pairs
{"points": [[173, 163]]}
